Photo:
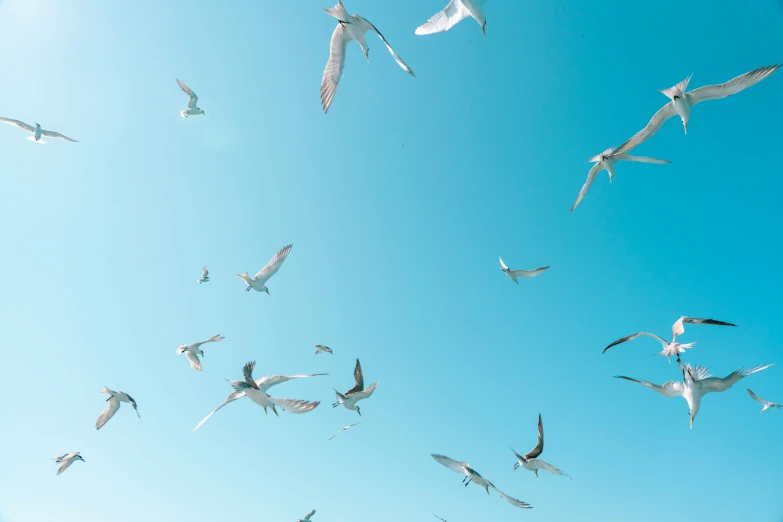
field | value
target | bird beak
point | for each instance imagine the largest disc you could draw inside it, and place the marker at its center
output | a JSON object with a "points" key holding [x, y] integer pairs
{"points": [[367, 54], [685, 127], [691, 422], [484, 30]]}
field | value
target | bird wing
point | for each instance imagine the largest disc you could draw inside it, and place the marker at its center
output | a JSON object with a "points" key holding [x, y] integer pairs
{"points": [[309, 515], [358, 378], [195, 363], [631, 337], [273, 266], [265, 383], [65, 463], [396, 56], [450, 463], [716, 384], [733, 86], [364, 394], [334, 67], [53, 134], [641, 159], [108, 413], [444, 20], [22, 125], [669, 389], [762, 401], [204, 273], [231, 398], [665, 112], [343, 429], [535, 452], [590, 177], [510, 500], [695, 320], [247, 371], [293, 406], [213, 339], [502, 264], [546, 466], [193, 98], [529, 273]]}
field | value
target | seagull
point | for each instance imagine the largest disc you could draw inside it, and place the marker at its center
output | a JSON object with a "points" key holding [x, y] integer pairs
{"points": [[258, 282], [343, 429], [67, 460], [305, 519], [114, 400], [250, 388], [672, 348], [471, 475], [696, 384], [530, 461], [204, 276], [357, 393], [349, 27], [320, 348], [37, 131], [192, 110], [513, 274], [455, 12], [681, 101], [606, 161], [192, 351], [264, 383], [767, 405]]}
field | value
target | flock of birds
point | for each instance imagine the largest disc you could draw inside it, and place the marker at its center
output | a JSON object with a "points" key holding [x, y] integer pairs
{"points": [[695, 383]]}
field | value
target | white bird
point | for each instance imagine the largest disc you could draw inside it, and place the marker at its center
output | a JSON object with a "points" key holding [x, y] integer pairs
{"points": [[264, 383], [350, 27], [307, 518], [204, 276], [513, 274], [530, 461], [320, 348], [343, 429], [192, 351], [114, 400], [66, 460], [37, 131], [455, 12], [696, 384], [681, 102], [606, 161], [673, 348], [471, 475], [250, 388], [192, 110], [767, 405], [258, 282], [357, 393]]}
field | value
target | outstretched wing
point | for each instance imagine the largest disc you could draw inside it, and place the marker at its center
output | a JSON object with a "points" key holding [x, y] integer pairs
{"points": [[309, 515], [595, 169], [396, 57], [108, 413], [204, 273], [273, 266], [716, 384], [195, 363], [231, 398], [529, 273], [669, 389], [549, 468], [631, 337], [192, 95], [642, 159], [444, 20], [264, 383], [293, 406], [666, 112], [358, 378], [22, 125], [334, 67], [502, 264], [53, 134], [535, 452], [733, 86], [450, 463], [511, 500], [364, 394]]}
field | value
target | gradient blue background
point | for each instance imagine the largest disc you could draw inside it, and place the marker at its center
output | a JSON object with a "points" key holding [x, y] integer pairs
{"points": [[398, 204]]}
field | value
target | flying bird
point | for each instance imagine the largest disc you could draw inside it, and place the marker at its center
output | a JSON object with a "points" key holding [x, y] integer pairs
{"points": [[192, 110], [455, 12], [320, 348], [471, 475], [343, 429], [357, 393], [66, 460], [606, 161], [258, 282], [192, 351], [682, 102], [253, 390], [37, 131], [767, 405], [696, 384], [531, 462], [513, 274], [349, 27], [204, 276], [114, 400], [307, 518]]}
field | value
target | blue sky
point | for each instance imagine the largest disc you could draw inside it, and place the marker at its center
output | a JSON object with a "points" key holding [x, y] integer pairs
{"points": [[398, 204]]}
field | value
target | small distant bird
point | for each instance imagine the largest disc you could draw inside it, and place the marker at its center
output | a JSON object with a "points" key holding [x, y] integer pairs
{"points": [[767, 405], [66, 460], [696, 384], [204, 276], [513, 274], [192, 351], [307, 518], [349, 27], [357, 393], [250, 388], [436, 516], [320, 348], [530, 461], [606, 161], [455, 12], [343, 429], [37, 131], [681, 102], [114, 400], [258, 282], [192, 110], [471, 475]]}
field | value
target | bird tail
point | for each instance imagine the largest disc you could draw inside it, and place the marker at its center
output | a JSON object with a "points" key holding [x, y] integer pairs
{"points": [[181, 350], [39, 140], [244, 276], [184, 114], [339, 12], [677, 90], [106, 390]]}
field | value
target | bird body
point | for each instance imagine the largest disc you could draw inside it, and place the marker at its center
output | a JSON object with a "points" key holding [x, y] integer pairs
{"points": [[37, 131], [192, 109], [66, 460], [513, 274], [192, 351], [253, 390], [357, 393], [258, 281], [455, 12], [114, 400]]}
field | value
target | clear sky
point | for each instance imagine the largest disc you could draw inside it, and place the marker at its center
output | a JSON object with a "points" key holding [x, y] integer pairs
{"points": [[398, 204]]}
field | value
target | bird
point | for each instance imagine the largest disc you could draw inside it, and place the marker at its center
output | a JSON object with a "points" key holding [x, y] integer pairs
{"points": [[320, 348], [471, 475], [767, 405], [531, 462], [264, 383], [37, 131], [357, 393], [436, 516], [192, 110], [349, 27], [682, 101], [307, 518], [672, 348], [66, 460], [696, 383], [192, 351], [258, 282], [455, 12], [343, 429], [114, 400], [204, 276], [251, 388], [513, 274], [606, 161]]}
